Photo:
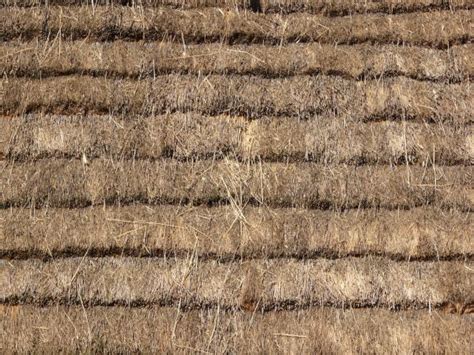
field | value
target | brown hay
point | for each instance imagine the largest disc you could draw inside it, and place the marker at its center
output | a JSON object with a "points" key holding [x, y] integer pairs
{"points": [[243, 95], [6, 135], [437, 29], [360, 282], [178, 135], [166, 330], [332, 140], [71, 183], [172, 198], [227, 232], [325, 140], [327, 7], [138, 59]]}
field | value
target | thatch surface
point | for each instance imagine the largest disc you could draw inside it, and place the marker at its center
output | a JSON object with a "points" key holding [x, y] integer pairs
{"points": [[440, 29], [324, 139], [228, 232], [139, 59], [101, 329], [326, 7], [301, 96], [180, 136], [333, 140], [236, 176], [263, 284], [65, 183]]}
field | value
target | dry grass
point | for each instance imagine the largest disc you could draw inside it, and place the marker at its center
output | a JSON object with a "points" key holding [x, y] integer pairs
{"points": [[440, 29], [302, 96], [138, 59], [181, 136], [58, 183], [192, 176], [326, 140], [331, 140], [111, 330], [327, 7], [232, 231], [265, 284]]}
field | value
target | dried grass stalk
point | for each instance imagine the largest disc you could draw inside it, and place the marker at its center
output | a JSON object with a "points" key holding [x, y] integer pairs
{"points": [[326, 7], [102, 329], [301, 96], [326, 140], [58, 183], [138, 59], [441, 29], [278, 283], [229, 231]]}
